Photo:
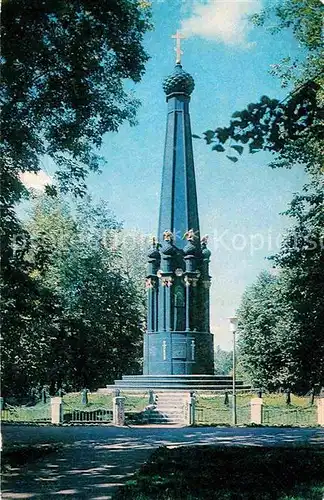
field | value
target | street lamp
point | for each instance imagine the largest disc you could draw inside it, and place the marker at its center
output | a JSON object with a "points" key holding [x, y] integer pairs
{"points": [[233, 326]]}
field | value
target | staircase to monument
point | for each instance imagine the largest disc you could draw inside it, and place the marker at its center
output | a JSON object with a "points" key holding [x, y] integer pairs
{"points": [[168, 409], [217, 383]]}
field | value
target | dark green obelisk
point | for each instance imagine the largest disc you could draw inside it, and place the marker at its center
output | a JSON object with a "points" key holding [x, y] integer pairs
{"points": [[178, 339]]}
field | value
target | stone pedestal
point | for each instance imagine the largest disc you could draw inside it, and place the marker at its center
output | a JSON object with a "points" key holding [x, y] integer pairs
{"points": [[320, 412], [191, 413], [56, 410], [178, 353], [256, 411], [118, 410]]}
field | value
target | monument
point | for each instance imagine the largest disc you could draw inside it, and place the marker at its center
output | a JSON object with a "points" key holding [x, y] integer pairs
{"points": [[178, 339], [178, 345]]}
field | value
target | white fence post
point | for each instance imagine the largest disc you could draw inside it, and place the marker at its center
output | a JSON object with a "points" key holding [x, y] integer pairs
{"points": [[119, 410], [56, 410], [256, 411], [320, 412]]}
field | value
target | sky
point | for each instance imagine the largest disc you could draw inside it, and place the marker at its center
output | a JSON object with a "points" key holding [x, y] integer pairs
{"points": [[239, 204]]}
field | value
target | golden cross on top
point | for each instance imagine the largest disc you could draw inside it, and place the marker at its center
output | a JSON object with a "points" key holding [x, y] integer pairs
{"points": [[177, 48]]}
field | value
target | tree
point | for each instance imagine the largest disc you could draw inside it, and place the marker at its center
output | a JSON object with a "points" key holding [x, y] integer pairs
{"points": [[301, 265], [64, 72], [281, 317], [91, 331], [258, 342], [223, 361], [64, 65], [285, 127]]}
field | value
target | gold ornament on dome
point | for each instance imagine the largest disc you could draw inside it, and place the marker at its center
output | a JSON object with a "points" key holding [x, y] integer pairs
{"points": [[168, 236], [190, 235]]}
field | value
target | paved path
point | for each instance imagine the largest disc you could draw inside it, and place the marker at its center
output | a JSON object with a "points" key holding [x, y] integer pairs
{"points": [[94, 461]]}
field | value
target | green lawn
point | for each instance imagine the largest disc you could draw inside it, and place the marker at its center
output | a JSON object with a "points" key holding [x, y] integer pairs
{"points": [[228, 473], [212, 410], [133, 402], [216, 400], [72, 401]]}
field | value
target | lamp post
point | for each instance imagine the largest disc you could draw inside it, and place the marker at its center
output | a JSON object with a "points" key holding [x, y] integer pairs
{"points": [[233, 325]]}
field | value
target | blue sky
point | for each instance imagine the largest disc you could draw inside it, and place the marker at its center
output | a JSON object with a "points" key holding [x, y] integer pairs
{"points": [[239, 203]]}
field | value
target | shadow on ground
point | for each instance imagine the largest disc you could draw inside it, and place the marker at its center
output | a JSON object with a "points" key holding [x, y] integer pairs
{"points": [[92, 462]]}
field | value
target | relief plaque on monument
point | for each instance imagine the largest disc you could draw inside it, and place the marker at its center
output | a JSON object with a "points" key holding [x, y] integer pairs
{"points": [[179, 350]]}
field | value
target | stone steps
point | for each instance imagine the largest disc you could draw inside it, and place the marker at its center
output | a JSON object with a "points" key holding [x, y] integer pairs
{"points": [[157, 416], [219, 383], [169, 409], [211, 387]]}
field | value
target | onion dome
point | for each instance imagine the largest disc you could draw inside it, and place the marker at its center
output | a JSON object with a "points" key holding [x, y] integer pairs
{"points": [[179, 82], [190, 249], [206, 253], [153, 253], [168, 248]]}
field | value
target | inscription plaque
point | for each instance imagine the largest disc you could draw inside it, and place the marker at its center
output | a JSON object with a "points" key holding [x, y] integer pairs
{"points": [[179, 350]]}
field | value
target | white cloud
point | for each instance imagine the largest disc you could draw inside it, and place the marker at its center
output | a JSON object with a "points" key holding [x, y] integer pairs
{"points": [[221, 20], [36, 181]]}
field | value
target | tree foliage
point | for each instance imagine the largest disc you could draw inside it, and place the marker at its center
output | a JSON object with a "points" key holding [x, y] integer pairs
{"points": [[85, 326], [223, 361], [64, 65], [282, 316], [284, 127]]}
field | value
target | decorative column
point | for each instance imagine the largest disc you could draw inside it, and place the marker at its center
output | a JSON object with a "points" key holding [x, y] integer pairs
{"points": [[187, 283], [154, 259], [206, 253], [191, 254], [179, 291], [166, 280]]}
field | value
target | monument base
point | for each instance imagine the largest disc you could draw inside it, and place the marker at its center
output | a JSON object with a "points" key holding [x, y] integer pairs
{"points": [[178, 353], [218, 383]]}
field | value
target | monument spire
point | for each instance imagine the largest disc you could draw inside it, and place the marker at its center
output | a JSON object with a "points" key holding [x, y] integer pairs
{"points": [[178, 205], [178, 344], [178, 340]]}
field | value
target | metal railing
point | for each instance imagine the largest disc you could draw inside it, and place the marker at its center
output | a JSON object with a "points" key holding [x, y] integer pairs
{"points": [[290, 416], [219, 416], [294, 416], [26, 414], [102, 415]]}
